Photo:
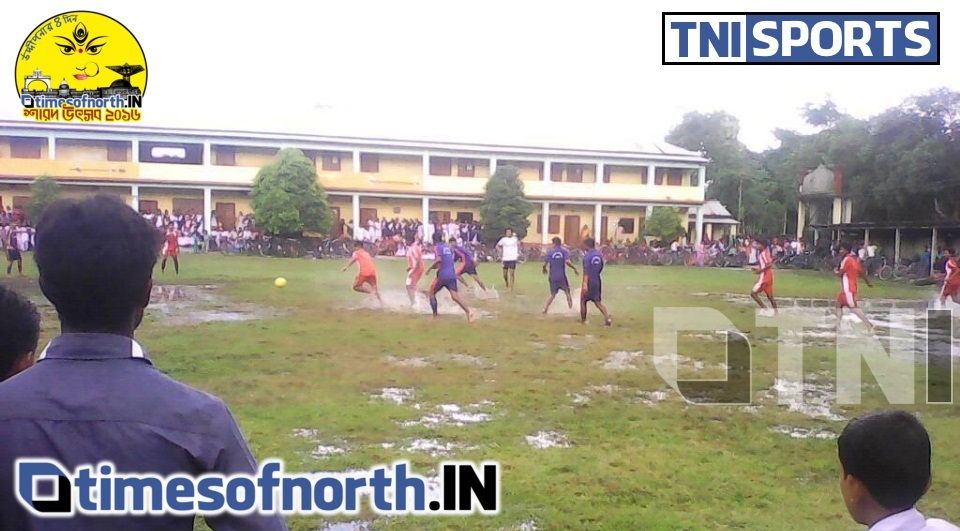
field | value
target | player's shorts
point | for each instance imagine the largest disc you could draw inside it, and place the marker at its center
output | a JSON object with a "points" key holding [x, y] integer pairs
{"points": [[469, 270], [174, 251], [450, 284], [13, 255], [557, 285], [764, 287], [593, 291], [950, 289], [365, 279], [413, 277], [509, 264], [847, 299]]}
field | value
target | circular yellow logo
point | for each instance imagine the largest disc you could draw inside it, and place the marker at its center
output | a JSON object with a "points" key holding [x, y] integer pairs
{"points": [[81, 61]]}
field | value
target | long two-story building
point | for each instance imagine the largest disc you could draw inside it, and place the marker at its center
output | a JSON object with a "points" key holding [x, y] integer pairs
{"points": [[602, 188]]}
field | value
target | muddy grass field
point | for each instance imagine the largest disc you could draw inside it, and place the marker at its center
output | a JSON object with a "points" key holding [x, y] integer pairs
{"points": [[588, 433]]}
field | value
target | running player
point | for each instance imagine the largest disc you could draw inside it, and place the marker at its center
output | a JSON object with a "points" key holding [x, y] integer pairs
{"points": [[468, 265], [171, 249], [8, 239], [764, 268], [446, 277], [366, 281], [849, 272], [592, 289], [414, 267], [951, 282], [509, 254], [559, 260]]}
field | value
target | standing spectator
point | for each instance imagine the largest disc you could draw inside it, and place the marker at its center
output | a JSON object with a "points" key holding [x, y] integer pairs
{"points": [[94, 395], [19, 333]]}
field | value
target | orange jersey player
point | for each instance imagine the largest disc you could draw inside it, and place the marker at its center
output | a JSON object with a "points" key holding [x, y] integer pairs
{"points": [[366, 281], [850, 271], [414, 267], [765, 269], [951, 282], [171, 249]]}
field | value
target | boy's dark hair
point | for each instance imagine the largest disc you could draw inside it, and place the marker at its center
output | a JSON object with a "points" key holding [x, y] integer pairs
{"points": [[557, 241], [96, 258], [19, 329], [889, 452], [452, 241], [437, 237], [847, 246], [590, 243], [950, 250], [763, 242], [357, 244]]}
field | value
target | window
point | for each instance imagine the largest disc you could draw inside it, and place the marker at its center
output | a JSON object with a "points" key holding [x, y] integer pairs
{"points": [[171, 153], [607, 171], [168, 153], [695, 178], [367, 214], [575, 173], [440, 216], [26, 148], [441, 166], [644, 175], [148, 206], [117, 151], [226, 156], [556, 172], [658, 176], [553, 227], [331, 162], [539, 223], [627, 224], [465, 168], [369, 163], [674, 177], [464, 217]]}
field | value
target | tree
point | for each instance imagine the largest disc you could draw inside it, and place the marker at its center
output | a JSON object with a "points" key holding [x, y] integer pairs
{"points": [[43, 192], [505, 205], [286, 197], [664, 224]]}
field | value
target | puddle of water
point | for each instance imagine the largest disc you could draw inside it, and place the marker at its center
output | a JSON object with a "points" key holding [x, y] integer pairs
{"points": [[804, 433], [323, 451], [810, 399], [436, 448], [529, 525], [432, 490], [399, 302], [408, 362], [454, 415], [304, 433], [353, 525], [547, 439], [620, 360], [186, 305], [650, 398], [467, 360], [397, 395]]}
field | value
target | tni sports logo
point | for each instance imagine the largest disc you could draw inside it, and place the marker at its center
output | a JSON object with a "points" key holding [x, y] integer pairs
{"points": [[801, 38]]}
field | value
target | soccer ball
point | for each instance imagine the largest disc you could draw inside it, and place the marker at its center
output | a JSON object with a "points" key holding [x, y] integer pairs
{"points": [[280, 282]]}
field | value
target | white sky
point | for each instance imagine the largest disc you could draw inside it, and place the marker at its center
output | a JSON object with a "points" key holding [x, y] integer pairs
{"points": [[499, 71]]}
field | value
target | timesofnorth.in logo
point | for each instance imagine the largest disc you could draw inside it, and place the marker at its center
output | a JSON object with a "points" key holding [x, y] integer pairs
{"points": [[801, 38], [81, 66]]}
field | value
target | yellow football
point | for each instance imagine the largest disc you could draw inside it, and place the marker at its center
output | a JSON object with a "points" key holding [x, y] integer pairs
{"points": [[280, 282]]}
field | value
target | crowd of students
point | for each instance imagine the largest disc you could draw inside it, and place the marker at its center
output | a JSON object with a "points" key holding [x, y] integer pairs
{"points": [[93, 395]]}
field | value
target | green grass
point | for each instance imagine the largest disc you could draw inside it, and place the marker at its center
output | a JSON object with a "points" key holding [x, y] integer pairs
{"points": [[630, 466]]}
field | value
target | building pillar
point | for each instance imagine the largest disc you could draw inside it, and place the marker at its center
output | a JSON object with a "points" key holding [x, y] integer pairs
{"points": [[546, 172], [51, 147], [598, 185], [866, 237], [135, 150], [933, 249], [356, 213], [135, 197], [702, 181], [207, 154], [356, 161], [699, 225], [493, 166], [597, 220], [647, 212], [896, 246], [426, 169], [207, 209], [545, 223], [651, 177], [837, 214], [848, 211], [801, 219]]}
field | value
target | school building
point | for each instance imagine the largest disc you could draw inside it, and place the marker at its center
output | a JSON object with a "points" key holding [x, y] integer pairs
{"points": [[607, 189]]}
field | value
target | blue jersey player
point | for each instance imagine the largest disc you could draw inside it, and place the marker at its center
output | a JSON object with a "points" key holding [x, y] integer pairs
{"points": [[446, 276], [468, 264], [592, 289], [558, 260]]}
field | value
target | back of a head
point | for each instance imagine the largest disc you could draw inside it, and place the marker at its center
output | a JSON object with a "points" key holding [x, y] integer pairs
{"points": [[96, 259], [557, 241], [590, 243], [889, 452], [19, 330]]}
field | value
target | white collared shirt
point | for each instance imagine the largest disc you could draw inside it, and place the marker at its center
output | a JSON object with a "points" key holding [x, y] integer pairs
{"points": [[912, 520]]}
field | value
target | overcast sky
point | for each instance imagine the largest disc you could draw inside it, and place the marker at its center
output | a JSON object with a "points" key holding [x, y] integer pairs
{"points": [[501, 71]]}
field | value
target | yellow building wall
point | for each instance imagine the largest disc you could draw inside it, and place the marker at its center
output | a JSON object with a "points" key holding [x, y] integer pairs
{"points": [[627, 174], [254, 157], [408, 208], [5, 148], [164, 196], [81, 150], [240, 199], [529, 170], [346, 164], [615, 213]]}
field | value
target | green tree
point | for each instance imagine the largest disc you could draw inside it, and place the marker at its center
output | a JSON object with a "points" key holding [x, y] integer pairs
{"points": [[43, 192], [287, 198], [664, 224], [505, 205]]}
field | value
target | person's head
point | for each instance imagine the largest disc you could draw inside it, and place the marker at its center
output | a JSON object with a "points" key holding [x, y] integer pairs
{"points": [[357, 244], [557, 241], [885, 464], [437, 237], [508, 232], [452, 241], [951, 251], [170, 226], [19, 333], [589, 243], [845, 248], [96, 258]]}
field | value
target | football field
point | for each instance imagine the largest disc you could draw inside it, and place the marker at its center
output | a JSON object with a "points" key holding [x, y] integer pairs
{"points": [[588, 433]]}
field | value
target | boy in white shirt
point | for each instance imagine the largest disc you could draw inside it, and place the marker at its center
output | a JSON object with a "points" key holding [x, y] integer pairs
{"points": [[885, 459], [509, 247]]}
